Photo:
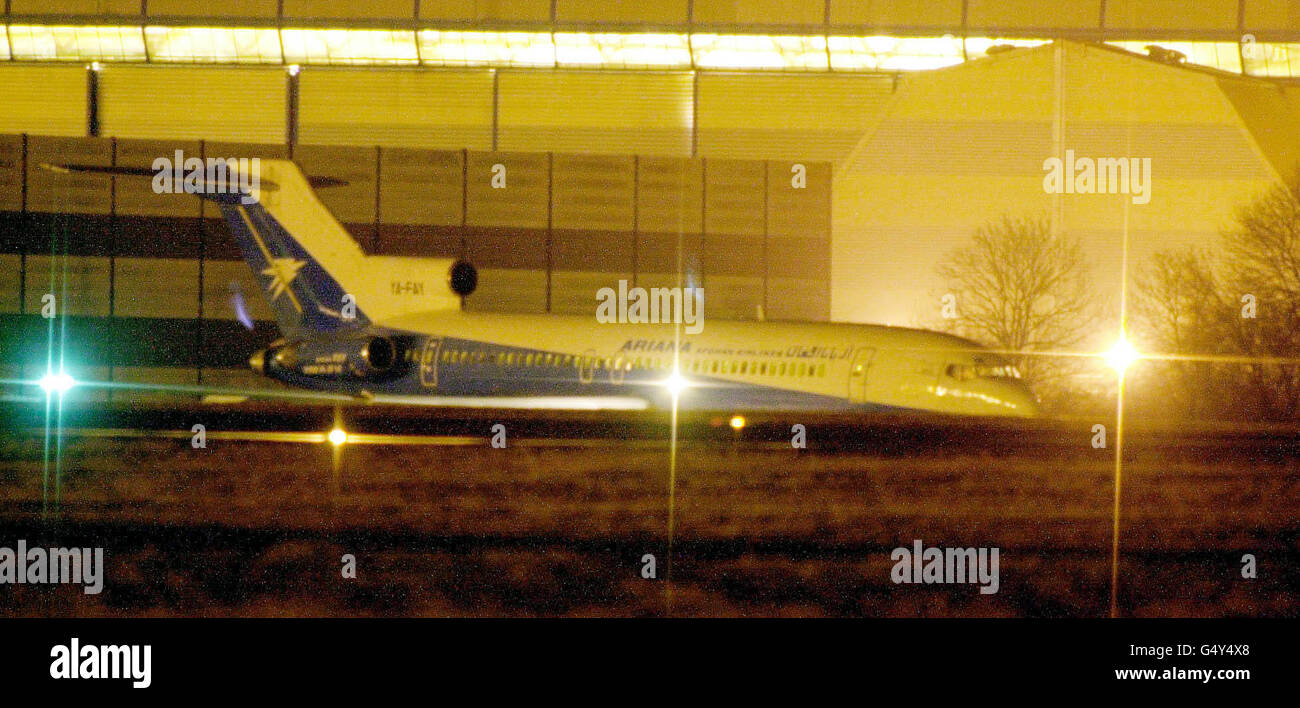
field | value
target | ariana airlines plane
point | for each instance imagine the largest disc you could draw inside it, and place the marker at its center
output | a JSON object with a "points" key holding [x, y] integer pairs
{"points": [[385, 327]]}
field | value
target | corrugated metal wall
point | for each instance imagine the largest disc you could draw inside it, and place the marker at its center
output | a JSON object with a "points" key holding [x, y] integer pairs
{"points": [[47, 100], [212, 103], [429, 109], [596, 111], [813, 117], [754, 116]]}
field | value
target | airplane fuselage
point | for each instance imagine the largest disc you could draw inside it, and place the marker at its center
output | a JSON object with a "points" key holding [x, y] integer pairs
{"points": [[727, 366]]}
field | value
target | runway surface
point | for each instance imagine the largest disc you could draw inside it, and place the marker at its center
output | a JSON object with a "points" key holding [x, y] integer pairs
{"points": [[561, 520]]}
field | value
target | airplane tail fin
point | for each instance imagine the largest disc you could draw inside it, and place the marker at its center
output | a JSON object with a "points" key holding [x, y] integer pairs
{"points": [[315, 276], [302, 293]]}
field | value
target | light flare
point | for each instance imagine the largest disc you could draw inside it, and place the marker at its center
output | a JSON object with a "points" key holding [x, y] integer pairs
{"points": [[56, 383], [1122, 354]]}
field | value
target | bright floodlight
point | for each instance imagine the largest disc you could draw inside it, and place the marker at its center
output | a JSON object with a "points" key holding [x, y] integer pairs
{"points": [[56, 383], [338, 436], [675, 383], [737, 422], [1121, 355]]}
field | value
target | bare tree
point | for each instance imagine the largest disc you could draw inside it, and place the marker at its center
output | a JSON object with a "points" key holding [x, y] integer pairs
{"points": [[1177, 308], [1262, 257], [1248, 305], [1021, 288]]}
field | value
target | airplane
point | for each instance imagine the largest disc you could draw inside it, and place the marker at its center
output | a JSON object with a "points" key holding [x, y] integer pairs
{"points": [[393, 328]]}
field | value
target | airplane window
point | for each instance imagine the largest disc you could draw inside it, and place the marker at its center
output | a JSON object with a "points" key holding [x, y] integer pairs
{"points": [[961, 372], [997, 372]]}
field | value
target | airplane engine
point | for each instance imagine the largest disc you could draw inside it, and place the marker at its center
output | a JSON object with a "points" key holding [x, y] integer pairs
{"points": [[364, 358]]}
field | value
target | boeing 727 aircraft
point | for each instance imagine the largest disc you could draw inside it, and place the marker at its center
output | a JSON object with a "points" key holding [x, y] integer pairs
{"points": [[382, 326]]}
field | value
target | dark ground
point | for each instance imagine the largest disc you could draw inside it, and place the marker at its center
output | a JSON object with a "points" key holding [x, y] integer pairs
{"points": [[250, 529]]}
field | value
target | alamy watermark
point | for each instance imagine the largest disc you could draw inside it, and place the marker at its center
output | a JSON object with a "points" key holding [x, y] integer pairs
{"points": [[53, 566], [918, 564], [213, 175], [639, 305], [103, 661], [1103, 175]]}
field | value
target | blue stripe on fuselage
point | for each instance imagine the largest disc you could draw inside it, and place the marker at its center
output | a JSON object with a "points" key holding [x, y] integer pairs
{"points": [[476, 368]]}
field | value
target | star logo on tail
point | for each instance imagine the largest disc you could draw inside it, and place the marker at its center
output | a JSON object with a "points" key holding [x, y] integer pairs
{"points": [[282, 272]]}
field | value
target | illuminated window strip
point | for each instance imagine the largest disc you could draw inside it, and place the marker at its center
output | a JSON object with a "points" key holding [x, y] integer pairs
{"points": [[978, 47], [893, 53], [622, 51], [213, 45], [460, 48], [1216, 55], [507, 49], [1272, 59], [765, 52], [348, 46], [66, 43]]}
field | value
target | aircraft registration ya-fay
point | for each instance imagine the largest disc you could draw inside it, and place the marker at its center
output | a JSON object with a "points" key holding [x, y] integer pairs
{"points": [[386, 327]]}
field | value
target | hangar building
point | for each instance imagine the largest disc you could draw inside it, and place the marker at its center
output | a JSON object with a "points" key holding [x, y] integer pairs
{"points": [[640, 141]]}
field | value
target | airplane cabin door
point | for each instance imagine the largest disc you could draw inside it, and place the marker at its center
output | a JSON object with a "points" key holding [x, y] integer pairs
{"points": [[859, 372], [429, 362]]}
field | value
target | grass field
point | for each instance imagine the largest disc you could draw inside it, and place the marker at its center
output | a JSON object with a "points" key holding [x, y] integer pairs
{"points": [[260, 529]]}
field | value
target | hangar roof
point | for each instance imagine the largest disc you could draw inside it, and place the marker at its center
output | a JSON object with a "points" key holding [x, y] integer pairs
{"points": [[1255, 37]]}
